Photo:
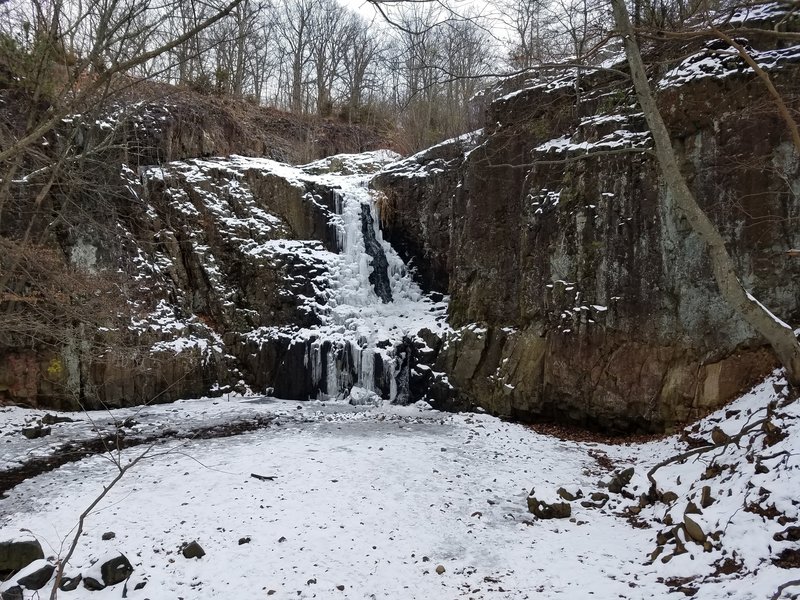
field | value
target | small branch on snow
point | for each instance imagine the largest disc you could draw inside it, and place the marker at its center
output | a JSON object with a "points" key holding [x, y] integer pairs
{"points": [[783, 586], [263, 477]]}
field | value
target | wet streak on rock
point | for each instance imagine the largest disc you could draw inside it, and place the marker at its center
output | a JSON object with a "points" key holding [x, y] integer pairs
{"points": [[379, 278]]}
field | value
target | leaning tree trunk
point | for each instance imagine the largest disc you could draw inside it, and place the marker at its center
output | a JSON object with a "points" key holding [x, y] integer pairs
{"points": [[777, 333]]}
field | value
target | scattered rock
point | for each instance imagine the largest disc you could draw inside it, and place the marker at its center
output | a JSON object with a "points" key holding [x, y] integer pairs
{"points": [[694, 529], [656, 553], [50, 419], [109, 535], [116, 570], [619, 480], [35, 432], [16, 555], [440, 570], [36, 575], [570, 494], [69, 584], [91, 584], [140, 585], [719, 437], [544, 510], [244, 540], [193, 550], [669, 497], [691, 509], [597, 500], [791, 534], [12, 593], [705, 497], [340, 588]]}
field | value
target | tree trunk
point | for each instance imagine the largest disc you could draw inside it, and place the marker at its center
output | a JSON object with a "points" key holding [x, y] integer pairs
{"points": [[777, 333]]}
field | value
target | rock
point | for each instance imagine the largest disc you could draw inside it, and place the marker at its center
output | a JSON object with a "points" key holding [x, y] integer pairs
{"points": [[50, 419], [620, 480], [693, 529], [91, 584], [16, 555], [719, 437], [193, 550], [691, 509], [35, 432], [669, 497], [340, 588], [656, 553], [108, 535], [116, 570], [440, 570], [36, 575], [140, 585], [244, 540], [544, 510], [705, 497], [69, 584], [570, 494], [597, 500], [12, 593]]}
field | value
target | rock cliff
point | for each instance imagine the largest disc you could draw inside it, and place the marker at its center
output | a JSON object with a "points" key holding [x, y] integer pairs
{"points": [[577, 291]]}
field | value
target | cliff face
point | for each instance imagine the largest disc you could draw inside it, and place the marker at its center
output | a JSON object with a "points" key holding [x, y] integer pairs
{"points": [[577, 291]]}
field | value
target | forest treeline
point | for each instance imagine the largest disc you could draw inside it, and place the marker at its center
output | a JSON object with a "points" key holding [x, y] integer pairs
{"points": [[416, 65]]}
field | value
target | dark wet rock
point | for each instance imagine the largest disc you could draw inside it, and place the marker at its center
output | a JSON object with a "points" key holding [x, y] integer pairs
{"points": [[108, 535], [69, 584], [244, 540], [16, 555], [116, 570], [193, 550], [37, 579], [92, 584], [379, 277], [13, 593]]}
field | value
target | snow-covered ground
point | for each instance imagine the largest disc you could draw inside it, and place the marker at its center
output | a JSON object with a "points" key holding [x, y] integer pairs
{"points": [[367, 502]]}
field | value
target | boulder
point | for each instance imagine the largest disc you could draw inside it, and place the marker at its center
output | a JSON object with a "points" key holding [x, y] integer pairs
{"points": [[108, 535], [69, 584], [36, 575], [92, 584], [548, 510], [693, 528], [596, 500], [570, 493], [116, 570], [619, 480], [35, 432], [18, 554], [12, 593], [193, 550]]}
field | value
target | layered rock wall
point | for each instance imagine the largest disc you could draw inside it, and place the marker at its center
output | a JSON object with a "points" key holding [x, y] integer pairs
{"points": [[578, 292]]}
